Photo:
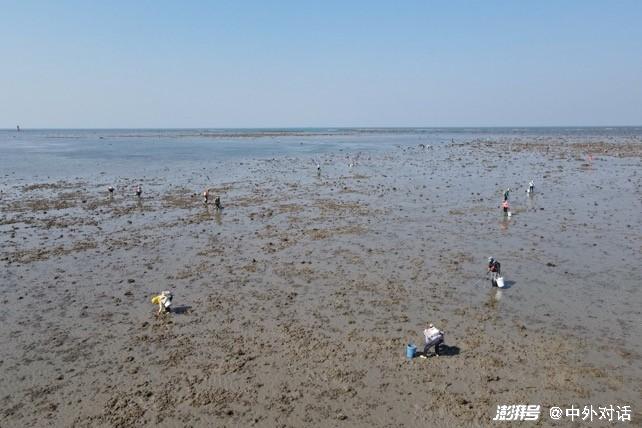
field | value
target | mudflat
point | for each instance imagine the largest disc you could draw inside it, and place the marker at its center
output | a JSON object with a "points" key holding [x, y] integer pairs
{"points": [[294, 303]]}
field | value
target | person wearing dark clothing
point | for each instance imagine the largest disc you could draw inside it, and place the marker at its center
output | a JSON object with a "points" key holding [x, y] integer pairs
{"points": [[506, 194], [494, 267]]}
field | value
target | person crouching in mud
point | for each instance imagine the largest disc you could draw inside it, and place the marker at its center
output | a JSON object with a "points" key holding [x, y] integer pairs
{"points": [[494, 268], [164, 302], [433, 337], [139, 191]]}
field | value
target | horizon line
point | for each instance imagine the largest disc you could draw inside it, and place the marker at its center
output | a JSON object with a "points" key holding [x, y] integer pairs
{"points": [[315, 127]]}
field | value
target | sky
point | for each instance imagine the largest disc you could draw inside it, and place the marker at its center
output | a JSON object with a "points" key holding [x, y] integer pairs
{"points": [[231, 64]]}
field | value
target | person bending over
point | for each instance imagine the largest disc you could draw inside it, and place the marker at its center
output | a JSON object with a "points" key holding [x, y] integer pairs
{"points": [[433, 337]]}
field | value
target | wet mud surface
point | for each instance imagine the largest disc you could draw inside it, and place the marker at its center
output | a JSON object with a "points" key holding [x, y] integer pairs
{"points": [[295, 302]]}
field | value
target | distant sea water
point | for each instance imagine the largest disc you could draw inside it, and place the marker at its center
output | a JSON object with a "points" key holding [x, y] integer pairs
{"points": [[56, 153]]}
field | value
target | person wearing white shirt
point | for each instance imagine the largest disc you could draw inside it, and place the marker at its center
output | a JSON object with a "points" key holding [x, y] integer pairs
{"points": [[433, 337]]}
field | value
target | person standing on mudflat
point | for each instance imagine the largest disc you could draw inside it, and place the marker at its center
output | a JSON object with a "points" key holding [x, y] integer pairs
{"points": [[495, 269], [505, 206]]}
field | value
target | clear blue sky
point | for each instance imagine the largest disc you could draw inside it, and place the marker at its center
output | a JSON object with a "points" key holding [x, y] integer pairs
{"points": [[320, 63]]}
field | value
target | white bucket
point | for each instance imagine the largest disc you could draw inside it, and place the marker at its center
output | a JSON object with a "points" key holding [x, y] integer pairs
{"points": [[510, 214], [500, 281]]}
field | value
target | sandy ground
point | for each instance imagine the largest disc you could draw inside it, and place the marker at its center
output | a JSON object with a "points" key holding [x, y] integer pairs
{"points": [[294, 304]]}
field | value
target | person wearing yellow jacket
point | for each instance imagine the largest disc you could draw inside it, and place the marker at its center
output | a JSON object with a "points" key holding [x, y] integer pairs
{"points": [[164, 301]]}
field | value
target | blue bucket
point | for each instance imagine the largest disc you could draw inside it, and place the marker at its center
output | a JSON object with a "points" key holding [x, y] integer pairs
{"points": [[410, 351]]}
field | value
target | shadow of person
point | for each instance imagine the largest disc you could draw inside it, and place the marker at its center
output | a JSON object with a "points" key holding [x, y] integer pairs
{"points": [[181, 310], [508, 284], [444, 351], [448, 351], [217, 217]]}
